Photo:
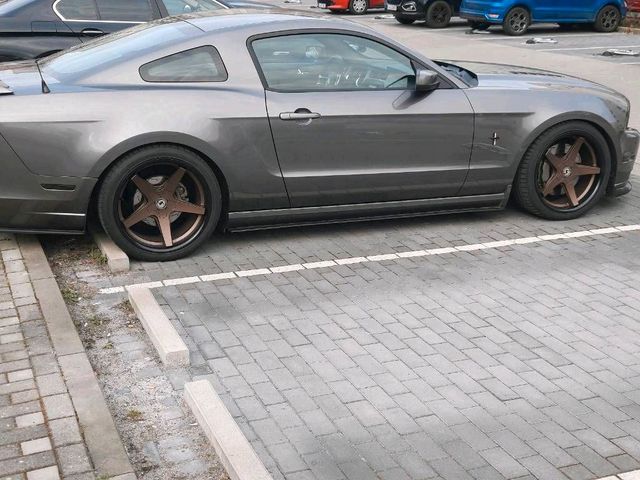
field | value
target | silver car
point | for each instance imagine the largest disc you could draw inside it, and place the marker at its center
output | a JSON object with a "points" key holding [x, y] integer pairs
{"points": [[248, 119]]}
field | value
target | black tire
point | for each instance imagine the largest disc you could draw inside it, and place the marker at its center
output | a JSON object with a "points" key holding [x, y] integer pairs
{"points": [[475, 25], [608, 19], [528, 187], [358, 7], [405, 21], [516, 21], [118, 192], [438, 14]]}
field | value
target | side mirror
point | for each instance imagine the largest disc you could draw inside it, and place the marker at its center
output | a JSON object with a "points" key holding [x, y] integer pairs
{"points": [[426, 80]]}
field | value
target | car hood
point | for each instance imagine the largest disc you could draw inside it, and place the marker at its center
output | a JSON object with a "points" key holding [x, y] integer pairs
{"points": [[492, 75], [20, 78]]}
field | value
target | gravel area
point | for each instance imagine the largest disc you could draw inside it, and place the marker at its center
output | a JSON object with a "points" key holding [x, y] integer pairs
{"points": [[161, 436]]}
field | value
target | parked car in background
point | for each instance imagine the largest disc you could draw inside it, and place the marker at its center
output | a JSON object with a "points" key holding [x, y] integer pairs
{"points": [[516, 16], [37, 28], [435, 13], [356, 7]]}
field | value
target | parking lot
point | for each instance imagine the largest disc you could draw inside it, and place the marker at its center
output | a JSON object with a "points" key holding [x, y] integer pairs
{"points": [[469, 346], [577, 43]]}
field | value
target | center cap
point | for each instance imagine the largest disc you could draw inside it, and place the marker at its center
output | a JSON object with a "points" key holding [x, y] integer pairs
{"points": [[161, 204], [566, 171]]}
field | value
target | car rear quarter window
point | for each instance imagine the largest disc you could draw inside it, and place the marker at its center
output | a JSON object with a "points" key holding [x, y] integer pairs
{"points": [[178, 7], [77, 9], [125, 10], [202, 64]]}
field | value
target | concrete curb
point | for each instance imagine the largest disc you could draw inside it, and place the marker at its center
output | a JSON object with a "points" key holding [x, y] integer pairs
{"points": [[234, 450], [169, 345], [103, 442], [117, 260]]}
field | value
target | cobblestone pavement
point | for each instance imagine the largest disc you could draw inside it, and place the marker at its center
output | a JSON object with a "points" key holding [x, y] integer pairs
{"points": [[516, 362], [39, 434]]}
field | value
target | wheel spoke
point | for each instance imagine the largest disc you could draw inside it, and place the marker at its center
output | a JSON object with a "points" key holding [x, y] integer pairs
{"points": [[574, 151], [148, 190], [580, 169], [164, 223], [140, 214], [171, 185], [554, 181], [187, 207], [571, 194], [555, 161]]}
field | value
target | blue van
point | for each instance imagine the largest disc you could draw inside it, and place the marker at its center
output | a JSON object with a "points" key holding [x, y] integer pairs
{"points": [[516, 16]]}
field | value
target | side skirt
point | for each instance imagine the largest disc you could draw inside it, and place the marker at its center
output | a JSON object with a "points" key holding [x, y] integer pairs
{"points": [[287, 217]]}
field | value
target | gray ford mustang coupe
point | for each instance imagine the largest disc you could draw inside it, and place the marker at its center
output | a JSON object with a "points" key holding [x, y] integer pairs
{"points": [[246, 119]]}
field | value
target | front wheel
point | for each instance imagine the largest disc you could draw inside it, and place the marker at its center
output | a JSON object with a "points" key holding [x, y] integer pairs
{"points": [[608, 19], [160, 203], [564, 173], [405, 21], [517, 21], [358, 7], [438, 14]]}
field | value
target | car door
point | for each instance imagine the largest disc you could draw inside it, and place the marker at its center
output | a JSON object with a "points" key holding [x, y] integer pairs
{"points": [[349, 127], [92, 18]]}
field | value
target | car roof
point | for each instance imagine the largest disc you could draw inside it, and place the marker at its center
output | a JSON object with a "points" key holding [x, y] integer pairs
{"points": [[256, 21]]}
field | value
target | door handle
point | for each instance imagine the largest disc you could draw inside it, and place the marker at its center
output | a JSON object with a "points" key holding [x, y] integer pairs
{"points": [[92, 31], [299, 115]]}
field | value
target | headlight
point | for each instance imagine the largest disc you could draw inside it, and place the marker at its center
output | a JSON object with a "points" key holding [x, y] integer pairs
{"points": [[409, 7]]}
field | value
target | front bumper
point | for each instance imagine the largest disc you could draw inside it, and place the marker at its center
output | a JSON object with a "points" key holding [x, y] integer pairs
{"points": [[629, 143], [333, 4], [480, 16]]}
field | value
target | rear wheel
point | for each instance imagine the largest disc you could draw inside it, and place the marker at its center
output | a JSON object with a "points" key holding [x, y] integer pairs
{"points": [[160, 203], [358, 7], [517, 21], [438, 14], [405, 21], [564, 173], [608, 19]]}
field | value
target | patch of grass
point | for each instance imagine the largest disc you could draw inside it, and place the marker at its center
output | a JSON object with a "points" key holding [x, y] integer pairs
{"points": [[126, 306], [97, 320], [97, 256], [69, 295], [134, 415], [108, 346]]}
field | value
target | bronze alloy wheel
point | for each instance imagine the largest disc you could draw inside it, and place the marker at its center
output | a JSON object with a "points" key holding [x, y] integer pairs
{"points": [[569, 173], [162, 207]]}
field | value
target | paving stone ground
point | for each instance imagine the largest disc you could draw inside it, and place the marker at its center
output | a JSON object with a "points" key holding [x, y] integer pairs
{"points": [[516, 362], [39, 434], [493, 364]]}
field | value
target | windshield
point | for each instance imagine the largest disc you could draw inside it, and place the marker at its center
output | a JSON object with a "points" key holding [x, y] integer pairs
{"points": [[178, 7], [467, 76], [72, 65]]}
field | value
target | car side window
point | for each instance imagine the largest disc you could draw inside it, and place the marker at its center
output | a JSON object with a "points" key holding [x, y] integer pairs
{"points": [[77, 9], [331, 61], [202, 64], [125, 10], [178, 7]]}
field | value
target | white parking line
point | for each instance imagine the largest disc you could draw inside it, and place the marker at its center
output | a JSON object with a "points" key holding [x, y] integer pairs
{"points": [[600, 47], [376, 258]]}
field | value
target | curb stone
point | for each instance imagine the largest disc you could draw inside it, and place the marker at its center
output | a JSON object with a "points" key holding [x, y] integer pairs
{"points": [[235, 452], [103, 442]]}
